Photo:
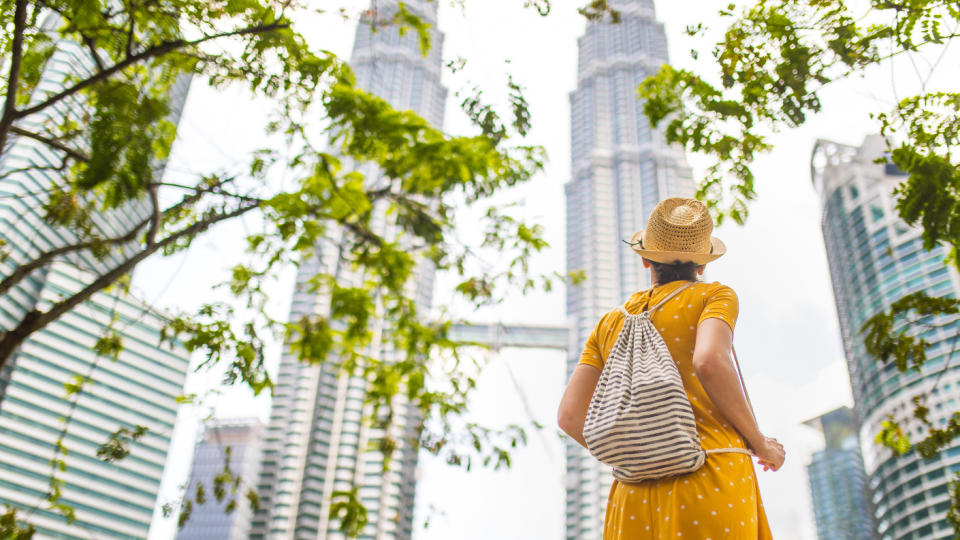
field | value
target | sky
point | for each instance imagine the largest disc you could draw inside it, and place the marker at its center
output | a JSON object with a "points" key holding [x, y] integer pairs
{"points": [[787, 338]]}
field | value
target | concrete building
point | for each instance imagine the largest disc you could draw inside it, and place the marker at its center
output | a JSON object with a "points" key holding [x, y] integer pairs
{"points": [[139, 388], [620, 170], [875, 259], [210, 521], [316, 444], [838, 482]]}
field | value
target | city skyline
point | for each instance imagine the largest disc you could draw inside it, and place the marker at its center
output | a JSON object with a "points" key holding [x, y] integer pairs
{"points": [[785, 219]]}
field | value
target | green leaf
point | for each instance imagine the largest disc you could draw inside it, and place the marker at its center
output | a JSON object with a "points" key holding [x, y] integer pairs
{"points": [[352, 514], [893, 437], [118, 444], [13, 529]]}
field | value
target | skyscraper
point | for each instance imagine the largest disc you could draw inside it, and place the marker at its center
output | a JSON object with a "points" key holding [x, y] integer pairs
{"points": [[620, 170], [316, 443], [875, 259], [138, 388], [838, 483], [210, 521]]}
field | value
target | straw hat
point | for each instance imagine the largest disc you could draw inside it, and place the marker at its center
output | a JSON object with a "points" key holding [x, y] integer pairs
{"points": [[679, 230]]}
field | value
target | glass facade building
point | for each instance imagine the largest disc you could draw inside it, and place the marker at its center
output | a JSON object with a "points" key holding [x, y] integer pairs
{"points": [[838, 481], [210, 521], [876, 259], [620, 170], [138, 388], [316, 442]]}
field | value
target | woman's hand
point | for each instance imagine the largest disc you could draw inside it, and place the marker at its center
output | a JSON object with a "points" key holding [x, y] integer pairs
{"points": [[771, 454]]}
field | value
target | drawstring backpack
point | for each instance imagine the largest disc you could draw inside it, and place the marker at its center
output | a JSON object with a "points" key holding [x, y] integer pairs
{"points": [[640, 421]]}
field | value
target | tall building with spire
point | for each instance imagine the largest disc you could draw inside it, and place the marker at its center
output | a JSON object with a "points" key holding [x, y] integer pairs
{"points": [[876, 259], [621, 168], [210, 520], [316, 443]]}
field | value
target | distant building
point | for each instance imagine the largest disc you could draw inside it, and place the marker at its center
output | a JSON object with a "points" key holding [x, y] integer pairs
{"points": [[620, 169], [838, 482], [316, 443], [876, 259], [112, 501], [209, 521]]}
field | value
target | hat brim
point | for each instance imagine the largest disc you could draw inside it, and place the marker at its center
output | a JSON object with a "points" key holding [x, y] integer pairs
{"points": [[718, 249]]}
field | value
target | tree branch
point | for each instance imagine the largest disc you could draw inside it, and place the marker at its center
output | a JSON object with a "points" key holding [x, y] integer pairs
{"points": [[53, 143], [63, 165], [155, 216], [130, 31], [24, 270], [35, 320], [13, 79], [154, 220], [91, 46], [158, 50]]}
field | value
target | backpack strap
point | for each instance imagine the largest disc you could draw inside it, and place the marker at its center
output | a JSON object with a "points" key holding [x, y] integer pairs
{"points": [[743, 384], [623, 308], [729, 451], [671, 295], [746, 394]]}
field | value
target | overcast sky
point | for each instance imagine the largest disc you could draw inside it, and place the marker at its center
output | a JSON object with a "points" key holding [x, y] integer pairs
{"points": [[787, 338]]}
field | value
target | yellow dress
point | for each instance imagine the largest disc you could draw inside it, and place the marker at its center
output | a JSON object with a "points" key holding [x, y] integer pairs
{"points": [[720, 501]]}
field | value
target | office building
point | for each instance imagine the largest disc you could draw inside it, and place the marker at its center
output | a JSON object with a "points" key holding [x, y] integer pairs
{"points": [[138, 388], [875, 259], [317, 443], [838, 482], [620, 170], [210, 520]]}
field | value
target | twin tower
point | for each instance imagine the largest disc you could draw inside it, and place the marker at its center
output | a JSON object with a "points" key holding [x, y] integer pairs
{"points": [[621, 168]]}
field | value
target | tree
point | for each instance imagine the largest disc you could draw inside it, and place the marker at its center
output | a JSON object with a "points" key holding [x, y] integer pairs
{"points": [[111, 132], [774, 59]]}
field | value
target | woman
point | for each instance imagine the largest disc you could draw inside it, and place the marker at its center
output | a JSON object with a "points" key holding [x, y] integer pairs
{"points": [[721, 499]]}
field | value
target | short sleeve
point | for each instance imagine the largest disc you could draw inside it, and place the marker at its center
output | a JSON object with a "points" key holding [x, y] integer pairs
{"points": [[721, 304], [591, 351]]}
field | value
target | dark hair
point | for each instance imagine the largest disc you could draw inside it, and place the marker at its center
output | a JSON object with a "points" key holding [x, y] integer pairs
{"points": [[664, 273]]}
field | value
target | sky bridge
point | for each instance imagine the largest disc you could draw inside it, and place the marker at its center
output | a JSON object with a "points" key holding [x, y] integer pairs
{"points": [[498, 335]]}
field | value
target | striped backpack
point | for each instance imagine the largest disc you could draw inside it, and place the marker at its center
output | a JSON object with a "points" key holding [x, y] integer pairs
{"points": [[640, 421]]}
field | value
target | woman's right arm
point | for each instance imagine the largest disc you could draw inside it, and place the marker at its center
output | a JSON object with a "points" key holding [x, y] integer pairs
{"points": [[714, 367], [576, 400]]}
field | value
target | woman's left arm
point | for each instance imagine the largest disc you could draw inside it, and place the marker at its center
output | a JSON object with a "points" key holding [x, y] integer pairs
{"points": [[576, 400]]}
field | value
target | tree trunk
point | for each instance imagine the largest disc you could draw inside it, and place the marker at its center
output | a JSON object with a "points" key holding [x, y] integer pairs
{"points": [[12, 339], [13, 80]]}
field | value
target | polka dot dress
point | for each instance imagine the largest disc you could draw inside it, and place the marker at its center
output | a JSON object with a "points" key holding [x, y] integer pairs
{"points": [[719, 501]]}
